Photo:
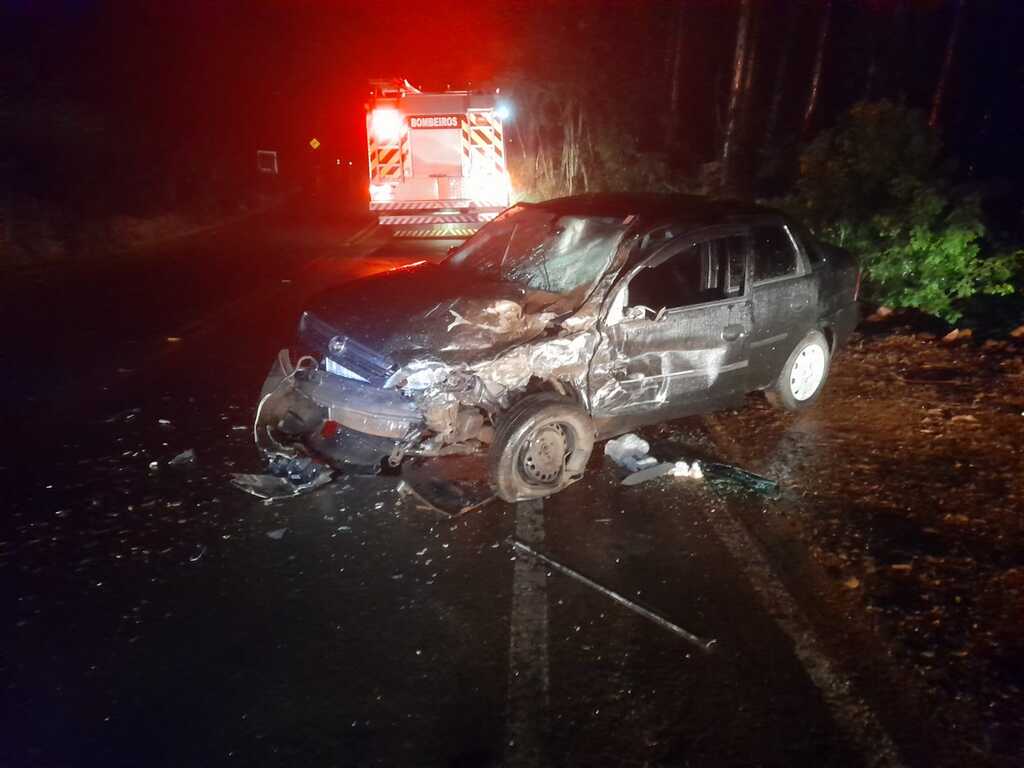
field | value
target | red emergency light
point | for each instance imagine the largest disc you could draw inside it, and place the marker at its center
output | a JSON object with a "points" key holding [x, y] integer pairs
{"points": [[386, 124]]}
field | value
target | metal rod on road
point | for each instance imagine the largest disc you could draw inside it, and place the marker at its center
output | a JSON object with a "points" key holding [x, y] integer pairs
{"points": [[700, 642]]}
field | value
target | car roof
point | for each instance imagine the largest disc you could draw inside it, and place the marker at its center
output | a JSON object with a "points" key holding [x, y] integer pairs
{"points": [[691, 209]]}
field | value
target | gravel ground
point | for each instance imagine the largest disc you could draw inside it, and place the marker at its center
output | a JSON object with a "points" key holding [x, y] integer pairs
{"points": [[906, 484]]}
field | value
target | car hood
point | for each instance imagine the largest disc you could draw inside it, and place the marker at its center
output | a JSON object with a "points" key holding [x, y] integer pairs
{"points": [[455, 315]]}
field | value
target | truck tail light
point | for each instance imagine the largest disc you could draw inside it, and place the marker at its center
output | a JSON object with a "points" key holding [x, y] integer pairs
{"points": [[386, 124]]}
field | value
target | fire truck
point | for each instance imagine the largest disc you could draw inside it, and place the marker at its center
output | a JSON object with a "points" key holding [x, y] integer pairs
{"points": [[437, 160]]}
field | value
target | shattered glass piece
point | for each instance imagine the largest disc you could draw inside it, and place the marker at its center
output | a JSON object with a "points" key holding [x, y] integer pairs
{"points": [[734, 477], [271, 487], [277, 534]]}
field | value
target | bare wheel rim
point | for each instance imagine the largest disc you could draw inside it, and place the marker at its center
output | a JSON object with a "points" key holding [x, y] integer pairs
{"points": [[807, 372], [542, 457]]}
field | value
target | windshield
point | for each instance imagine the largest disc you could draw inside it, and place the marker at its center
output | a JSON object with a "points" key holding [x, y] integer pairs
{"points": [[542, 250]]}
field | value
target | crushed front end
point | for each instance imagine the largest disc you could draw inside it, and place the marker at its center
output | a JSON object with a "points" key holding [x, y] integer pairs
{"points": [[354, 409]]}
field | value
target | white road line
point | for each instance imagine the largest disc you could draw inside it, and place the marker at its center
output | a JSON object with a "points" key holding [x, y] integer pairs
{"points": [[528, 680], [850, 713]]}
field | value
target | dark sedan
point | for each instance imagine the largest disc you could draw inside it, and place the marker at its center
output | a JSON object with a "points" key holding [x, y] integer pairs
{"points": [[559, 324]]}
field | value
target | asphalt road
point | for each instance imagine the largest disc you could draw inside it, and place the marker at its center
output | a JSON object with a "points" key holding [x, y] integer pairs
{"points": [[151, 619]]}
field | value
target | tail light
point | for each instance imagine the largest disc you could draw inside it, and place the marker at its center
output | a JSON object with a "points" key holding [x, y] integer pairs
{"points": [[386, 124]]}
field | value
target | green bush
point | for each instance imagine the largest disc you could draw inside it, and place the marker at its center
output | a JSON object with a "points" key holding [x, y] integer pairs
{"points": [[877, 185]]}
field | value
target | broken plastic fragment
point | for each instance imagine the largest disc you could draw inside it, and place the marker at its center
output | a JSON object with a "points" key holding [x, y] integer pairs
{"points": [[630, 452], [277, 534], [649, 473], [689, 471]]}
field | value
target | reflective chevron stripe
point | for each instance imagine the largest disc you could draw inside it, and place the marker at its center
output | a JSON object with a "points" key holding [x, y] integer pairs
{"points": [[391, 161], [446, 231], [435, 218], [421, 205], [483, 146]]}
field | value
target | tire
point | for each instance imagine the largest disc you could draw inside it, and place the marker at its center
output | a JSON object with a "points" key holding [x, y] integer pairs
{"points": [[803, 376], [541, 445]]}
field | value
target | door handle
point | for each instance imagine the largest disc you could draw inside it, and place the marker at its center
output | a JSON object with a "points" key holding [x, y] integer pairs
{"points": [[733, 332]]}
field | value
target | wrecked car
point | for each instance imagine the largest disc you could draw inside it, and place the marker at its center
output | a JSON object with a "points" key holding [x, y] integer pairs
{"points": [[556, 325]]}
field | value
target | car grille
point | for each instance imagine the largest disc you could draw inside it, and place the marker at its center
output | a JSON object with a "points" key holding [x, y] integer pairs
{"points": [[345, 356]]}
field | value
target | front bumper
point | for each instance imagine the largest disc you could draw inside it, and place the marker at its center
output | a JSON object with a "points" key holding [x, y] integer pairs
{"points": [[340, 419]]}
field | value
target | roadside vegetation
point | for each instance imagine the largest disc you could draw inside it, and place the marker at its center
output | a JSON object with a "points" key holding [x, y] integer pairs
{"points": [[878, 184]]}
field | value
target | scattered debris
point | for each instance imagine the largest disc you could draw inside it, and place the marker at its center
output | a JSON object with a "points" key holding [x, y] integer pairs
{"points": [[164, 422], [277, 534], [852, 583], [154, 465], [691, 472], [700, 642], [271, 487], [198, 555], [174, 339], [183, 458], [1018, 332], [649, 473], [901, 567], [964, 418], [957, 335], [726, 474], [452, 487], [126, 415], [631, 452]]}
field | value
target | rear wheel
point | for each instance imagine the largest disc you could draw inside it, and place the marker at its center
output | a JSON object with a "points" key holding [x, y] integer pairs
{"points": [[803, 376], [541, 445]]}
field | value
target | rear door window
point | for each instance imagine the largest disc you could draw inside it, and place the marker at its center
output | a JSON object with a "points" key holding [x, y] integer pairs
{"points": [[774, 253]]}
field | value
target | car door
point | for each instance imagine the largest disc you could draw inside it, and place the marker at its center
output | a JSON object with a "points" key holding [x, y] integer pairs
{"points": [[675, 338], [785, 299]]}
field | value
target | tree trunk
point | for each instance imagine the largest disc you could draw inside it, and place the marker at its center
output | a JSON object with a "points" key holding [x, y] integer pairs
{"points": [[793, 16], [733, 118], [819, 61], [947, 65], [675, 75]]}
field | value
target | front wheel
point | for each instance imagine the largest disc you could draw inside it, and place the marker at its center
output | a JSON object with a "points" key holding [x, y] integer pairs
{"points": [[541, 445], [803, 376]]}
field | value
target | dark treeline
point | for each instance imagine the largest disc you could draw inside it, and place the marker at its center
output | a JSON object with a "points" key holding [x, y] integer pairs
{"points": [[725, 92]]}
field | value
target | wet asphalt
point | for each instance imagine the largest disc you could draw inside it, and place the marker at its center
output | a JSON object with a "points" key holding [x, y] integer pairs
{"points": [[150, 617]]}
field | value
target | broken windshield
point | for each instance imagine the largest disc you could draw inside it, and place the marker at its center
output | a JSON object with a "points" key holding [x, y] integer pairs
{"points": [[542, 250]]}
